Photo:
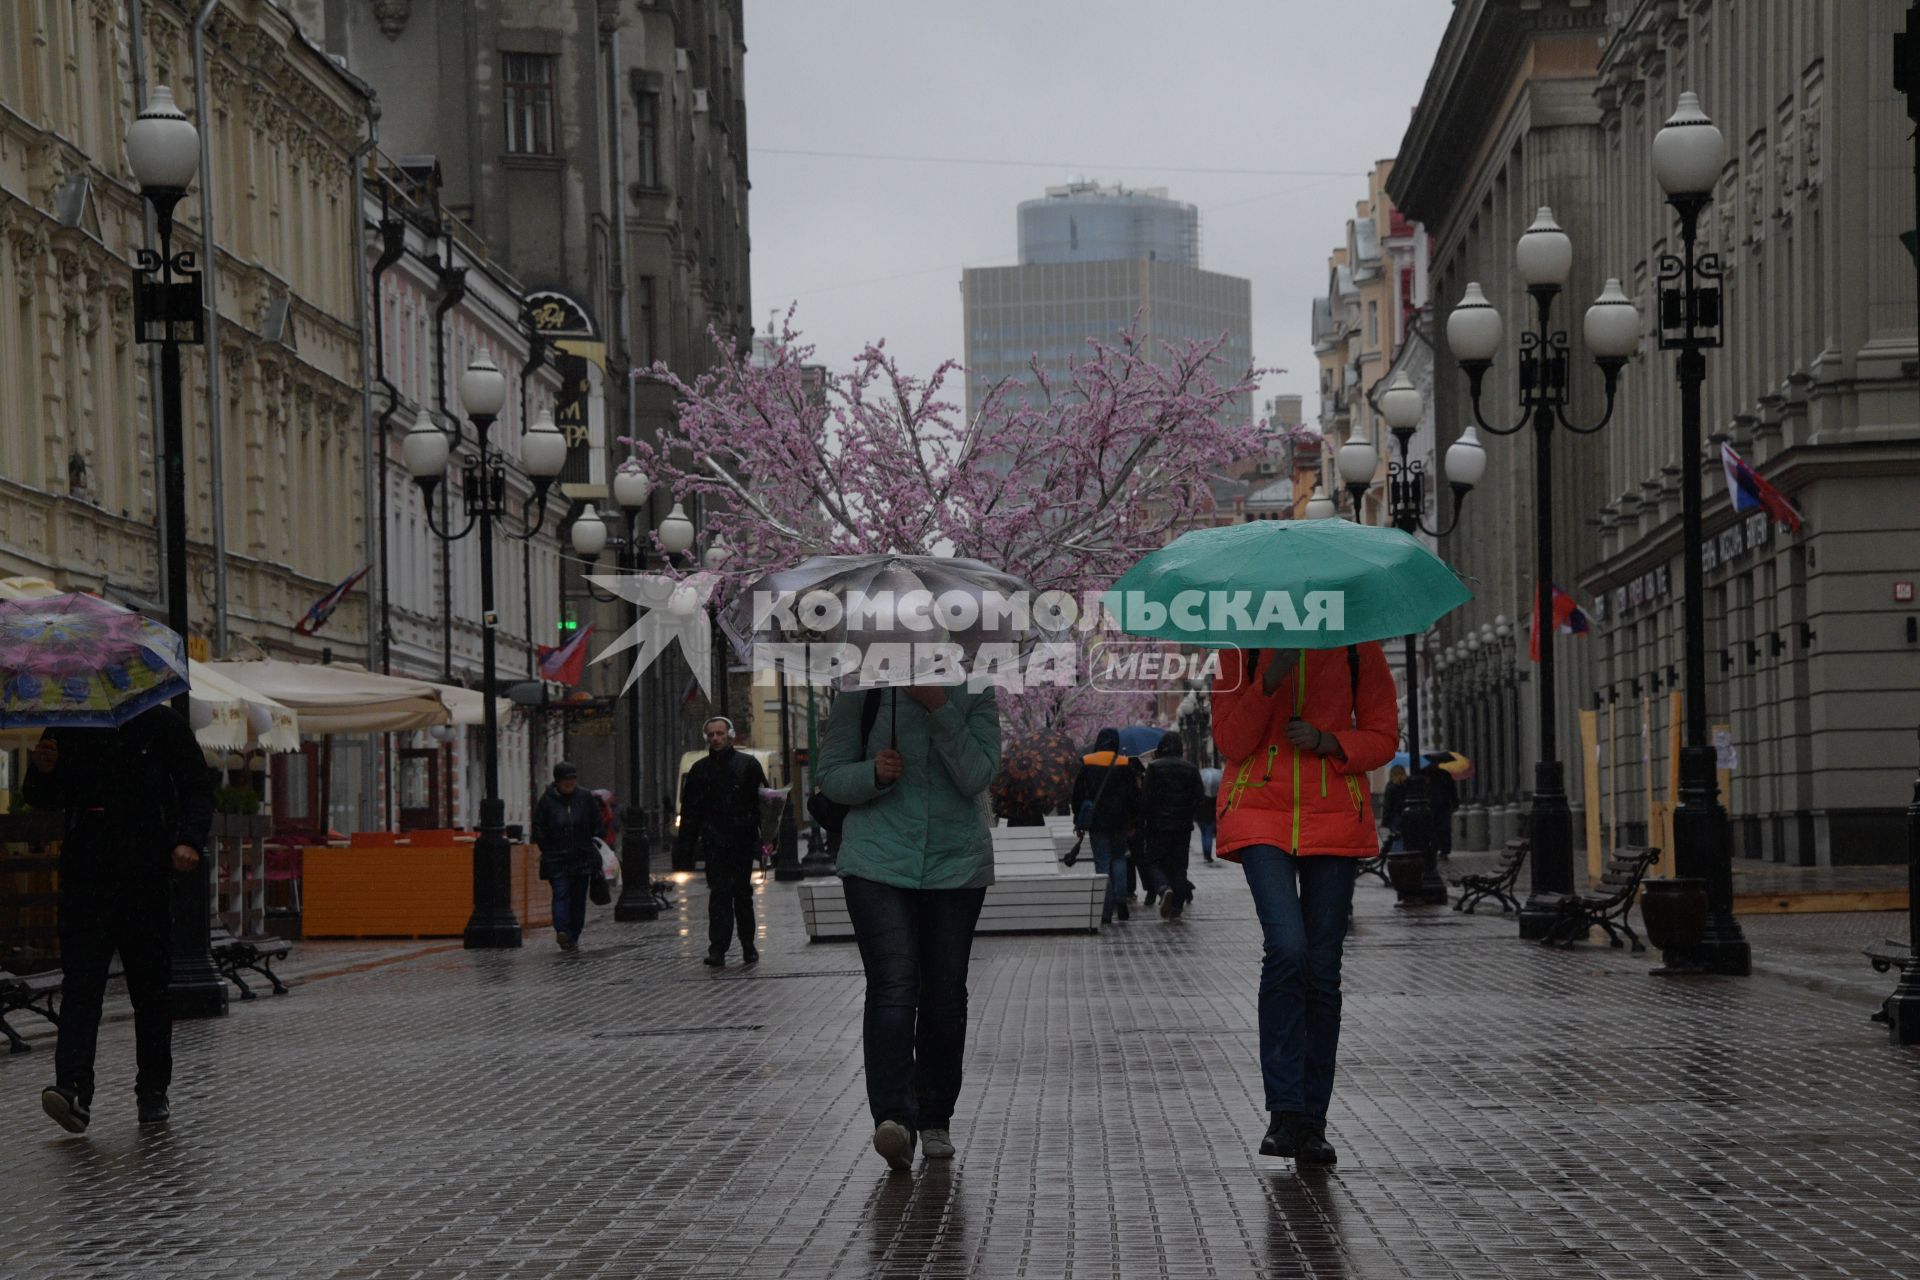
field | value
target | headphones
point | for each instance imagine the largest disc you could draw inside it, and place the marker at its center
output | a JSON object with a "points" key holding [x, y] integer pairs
{"points": [[722, 719]]}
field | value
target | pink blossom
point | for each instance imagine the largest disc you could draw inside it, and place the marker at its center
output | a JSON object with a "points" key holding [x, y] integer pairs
{"points": [[1065, 482]]}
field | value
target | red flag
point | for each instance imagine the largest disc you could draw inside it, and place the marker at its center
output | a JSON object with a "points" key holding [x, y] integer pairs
{"points": [[565, 663], [1569, 619]]}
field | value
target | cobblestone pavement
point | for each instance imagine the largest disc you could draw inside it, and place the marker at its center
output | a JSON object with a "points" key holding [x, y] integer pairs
{"points": [[1502, 1110]]}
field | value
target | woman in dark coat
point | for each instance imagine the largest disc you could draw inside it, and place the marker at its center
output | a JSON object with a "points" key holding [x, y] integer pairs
{"points": [[564, 825]]}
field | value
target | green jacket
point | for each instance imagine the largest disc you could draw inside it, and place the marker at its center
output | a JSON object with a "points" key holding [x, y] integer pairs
{"points": [[932, 828]]}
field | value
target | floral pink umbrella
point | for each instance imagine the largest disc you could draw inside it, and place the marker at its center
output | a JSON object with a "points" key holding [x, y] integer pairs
{"points": [[80, 661]]}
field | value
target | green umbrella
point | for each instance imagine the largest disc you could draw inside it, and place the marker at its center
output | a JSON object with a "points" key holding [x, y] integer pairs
{"points": [[1285, 584]]}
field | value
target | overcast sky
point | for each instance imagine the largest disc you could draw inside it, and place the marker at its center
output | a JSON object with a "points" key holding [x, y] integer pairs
{"points": [[947, 113]]}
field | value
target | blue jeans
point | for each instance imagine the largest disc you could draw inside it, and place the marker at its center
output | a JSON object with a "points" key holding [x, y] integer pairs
{"points": [[570, 904], [914, 945], [1303, 904], [1206, 840], [1110, 860]]}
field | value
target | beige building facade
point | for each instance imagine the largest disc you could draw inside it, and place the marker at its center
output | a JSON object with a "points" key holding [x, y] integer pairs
{"points": [[1810, 667], [79, 486]]}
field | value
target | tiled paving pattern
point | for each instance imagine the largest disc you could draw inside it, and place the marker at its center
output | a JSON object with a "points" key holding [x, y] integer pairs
{"points": [[1502, 1111]]}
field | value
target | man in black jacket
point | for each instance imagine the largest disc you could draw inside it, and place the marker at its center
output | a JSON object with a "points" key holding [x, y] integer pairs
{"points": [[1173, 789], [720, 815], [139, 802], [1104, 797], [564, 825]]}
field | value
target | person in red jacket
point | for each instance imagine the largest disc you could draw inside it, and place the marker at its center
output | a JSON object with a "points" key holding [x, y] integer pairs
{"points": [[1298, 731]]}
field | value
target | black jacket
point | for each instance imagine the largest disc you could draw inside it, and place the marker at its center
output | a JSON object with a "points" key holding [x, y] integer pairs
{"points": [[1173, 789], [1442, 795], [720, 807], [1114, 812], [564, 828], [130, 795]]}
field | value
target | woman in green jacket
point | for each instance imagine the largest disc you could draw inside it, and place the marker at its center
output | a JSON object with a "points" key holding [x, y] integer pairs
{"points": [[916, 857]]}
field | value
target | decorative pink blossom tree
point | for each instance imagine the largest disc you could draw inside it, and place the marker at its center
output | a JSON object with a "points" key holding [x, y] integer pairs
{"points": [[1065, 482]]}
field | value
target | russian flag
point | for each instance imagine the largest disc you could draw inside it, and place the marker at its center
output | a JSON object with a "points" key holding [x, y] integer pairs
{"points": [[1569, 619], [323, 607], [563, 664], [1750, 491]]}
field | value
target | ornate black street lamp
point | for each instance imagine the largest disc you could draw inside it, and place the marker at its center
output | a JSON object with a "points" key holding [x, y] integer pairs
{"points": [[164, 150], [1544, 260], [1403, 407], [589, 536], [1688, 156], [483, 482]]}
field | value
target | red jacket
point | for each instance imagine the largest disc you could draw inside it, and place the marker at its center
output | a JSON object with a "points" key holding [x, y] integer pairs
{"points": [[1273, 794]]}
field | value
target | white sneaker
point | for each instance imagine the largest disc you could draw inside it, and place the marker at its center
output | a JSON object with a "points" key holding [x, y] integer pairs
{"points": [[937, 1144], [894, 1142]]}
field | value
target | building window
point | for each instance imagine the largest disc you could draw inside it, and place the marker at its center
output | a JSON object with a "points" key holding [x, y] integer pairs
{"points": [[643, 331], [529, 80], [647, 106]]}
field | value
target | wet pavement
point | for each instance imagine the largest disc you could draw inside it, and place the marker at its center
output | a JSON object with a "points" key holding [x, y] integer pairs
{"points": [[1502, 1110]]}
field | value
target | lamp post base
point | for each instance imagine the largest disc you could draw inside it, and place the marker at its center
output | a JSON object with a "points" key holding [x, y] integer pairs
{"points": [[636, 901], [493, 925], [1416, 825], [1702, 850], [204, 995], [1550, 828], [1903, 1007], [195, 989]]}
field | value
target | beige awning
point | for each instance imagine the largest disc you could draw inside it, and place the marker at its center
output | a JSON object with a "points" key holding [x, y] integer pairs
{"points": [[341, 697], [469, 706]]}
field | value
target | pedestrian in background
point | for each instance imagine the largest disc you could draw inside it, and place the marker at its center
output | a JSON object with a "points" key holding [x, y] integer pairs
{"points": [[1167, 802], [720, 817], [915, 858], [1204, 815], [565, 822], [138, 801], [1443, 797], [1105, 796], [1299, 731], [1393, 805]]}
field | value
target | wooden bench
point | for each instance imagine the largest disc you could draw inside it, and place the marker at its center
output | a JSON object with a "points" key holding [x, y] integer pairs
{"points": [[1608, 905], [1497, 883], [36, 993], [1031, 893], [256, 953]]}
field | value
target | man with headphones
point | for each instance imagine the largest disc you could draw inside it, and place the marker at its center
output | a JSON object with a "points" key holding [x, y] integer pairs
{"points": [[720, 810]]}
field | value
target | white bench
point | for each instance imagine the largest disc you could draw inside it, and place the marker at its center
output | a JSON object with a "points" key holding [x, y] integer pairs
{"points": [[1031, 893], [1060, 827]]}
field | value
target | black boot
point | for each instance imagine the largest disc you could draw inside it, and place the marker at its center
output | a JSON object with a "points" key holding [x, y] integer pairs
{"points": [[1281, 1128], [1311, 1146]]}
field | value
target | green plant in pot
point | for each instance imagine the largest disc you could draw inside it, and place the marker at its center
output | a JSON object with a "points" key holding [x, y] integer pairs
{"points": [[237, 800]]}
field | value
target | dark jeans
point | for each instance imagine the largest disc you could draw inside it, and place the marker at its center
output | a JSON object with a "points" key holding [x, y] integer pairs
{"points": [[1206, 840], [1110, 860], [729, 900], [1303, 904], [570, 903], [1165, 868], [914, 944], [136, 920]]}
